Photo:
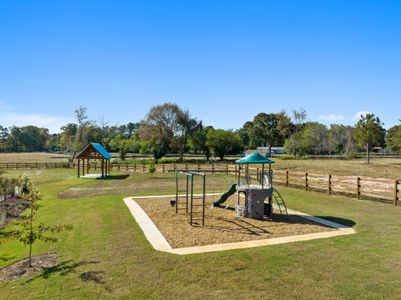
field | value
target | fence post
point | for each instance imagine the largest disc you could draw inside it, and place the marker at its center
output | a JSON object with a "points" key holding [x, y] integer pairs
{"points": [[186, 167], [358, 188], [163, 167], [329, 184], [287, 178], [306, 181], [212, 168], [134, 168], [396, 192], [174, 167], [227, 169]]}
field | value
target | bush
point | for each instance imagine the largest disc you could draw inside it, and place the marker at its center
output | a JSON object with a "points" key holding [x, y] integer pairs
{"points": [[152, 167]]}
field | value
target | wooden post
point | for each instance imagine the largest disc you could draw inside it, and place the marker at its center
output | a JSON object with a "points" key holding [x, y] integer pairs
{"points": [[358, 187], [212, 168], [79, 168], [87, 166], [83, 167], [287, 178], [306, 181], [163, 167], [174, 167], [329, 185], [396, 192], [134, 167], [227, 169], [186, 167]]}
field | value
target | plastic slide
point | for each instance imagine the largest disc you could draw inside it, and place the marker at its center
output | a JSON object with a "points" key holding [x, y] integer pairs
{"points": [[225, 196]]}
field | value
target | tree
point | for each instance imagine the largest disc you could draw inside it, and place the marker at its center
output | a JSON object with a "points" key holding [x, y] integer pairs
{"points": [[393, 138], [299, 117], [198, 141], [83, 122], [311, 140], [167, 126], [121, 144], [27, 230], [337, 139], [3, 138], [369, 132], [223, 142]]}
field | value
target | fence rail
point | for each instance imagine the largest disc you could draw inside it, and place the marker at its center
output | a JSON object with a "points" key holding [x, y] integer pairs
{"points": [[361, 187]]}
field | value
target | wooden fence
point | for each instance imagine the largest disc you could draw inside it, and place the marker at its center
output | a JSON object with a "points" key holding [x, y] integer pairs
{"points": [[361, 187], [34, 165]]}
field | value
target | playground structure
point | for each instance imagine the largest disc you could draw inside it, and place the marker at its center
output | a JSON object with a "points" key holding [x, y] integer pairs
{"points": [[189, 206], [254, 198], [254, 193]]}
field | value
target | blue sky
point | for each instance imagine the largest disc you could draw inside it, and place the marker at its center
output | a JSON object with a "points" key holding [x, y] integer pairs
{"points": [[223, 60]]}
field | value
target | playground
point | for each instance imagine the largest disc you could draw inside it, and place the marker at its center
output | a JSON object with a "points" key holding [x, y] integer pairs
{"points": [[250, 209]]}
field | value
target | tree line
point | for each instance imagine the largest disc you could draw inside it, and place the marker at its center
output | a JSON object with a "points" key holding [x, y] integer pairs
{"points": [[168, 128]]}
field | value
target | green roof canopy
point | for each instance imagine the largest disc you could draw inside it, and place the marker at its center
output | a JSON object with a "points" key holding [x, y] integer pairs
{"points": [[254, 158]]}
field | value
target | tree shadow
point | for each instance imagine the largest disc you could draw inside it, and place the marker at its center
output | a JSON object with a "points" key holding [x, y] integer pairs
{"points": [[63, 268], [6, 257], [114, 177]]}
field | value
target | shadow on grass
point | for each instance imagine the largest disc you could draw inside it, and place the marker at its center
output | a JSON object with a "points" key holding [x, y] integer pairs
{"points": [[114, 177], [6, 257], [68, 267], [342, 221]]}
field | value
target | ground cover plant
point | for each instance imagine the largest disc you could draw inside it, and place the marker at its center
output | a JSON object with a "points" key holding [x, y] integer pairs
{"points": [[106, 254]]}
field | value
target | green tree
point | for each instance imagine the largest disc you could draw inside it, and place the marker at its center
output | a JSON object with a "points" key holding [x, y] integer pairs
{"points": [[167, 126], [393, 138], [369, 132], [337, 139], [224, 142], [299, 118], [198, 141]]}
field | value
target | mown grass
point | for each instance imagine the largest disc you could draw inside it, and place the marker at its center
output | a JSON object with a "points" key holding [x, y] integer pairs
{"points": [[107, 256]]}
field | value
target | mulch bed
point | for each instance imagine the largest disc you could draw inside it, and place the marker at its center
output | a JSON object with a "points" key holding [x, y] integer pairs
{"points": [[11, 208], [221, 224], [21, 268]]}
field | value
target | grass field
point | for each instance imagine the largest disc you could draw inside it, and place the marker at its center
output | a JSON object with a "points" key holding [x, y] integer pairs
{"points": [[26, 157], [379, 167], [107, 244]]}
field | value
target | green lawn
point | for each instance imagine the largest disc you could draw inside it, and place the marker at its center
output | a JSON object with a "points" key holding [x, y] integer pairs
{"points": [[107, 256]]}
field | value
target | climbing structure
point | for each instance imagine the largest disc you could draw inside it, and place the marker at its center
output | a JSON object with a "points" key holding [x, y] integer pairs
{"points": [[194, 204]]}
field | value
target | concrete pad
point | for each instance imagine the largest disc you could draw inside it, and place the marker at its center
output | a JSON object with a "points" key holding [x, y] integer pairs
{"points": [[158, 241], [91, 176]]}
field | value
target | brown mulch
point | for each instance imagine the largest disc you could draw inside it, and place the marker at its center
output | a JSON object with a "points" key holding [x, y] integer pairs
{"points": [[21, 268], [221, 224], [11, 208]]}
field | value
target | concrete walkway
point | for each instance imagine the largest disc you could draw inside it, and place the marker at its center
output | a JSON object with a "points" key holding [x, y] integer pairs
{"points": [[158, 241]]}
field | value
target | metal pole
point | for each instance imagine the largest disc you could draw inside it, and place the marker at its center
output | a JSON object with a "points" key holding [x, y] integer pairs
{"points": [[204, 200], [176, 192], [192, 197], [186, 196]]}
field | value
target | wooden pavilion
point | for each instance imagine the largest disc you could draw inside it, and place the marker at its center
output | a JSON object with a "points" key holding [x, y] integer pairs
{"points": [[93, 151]]}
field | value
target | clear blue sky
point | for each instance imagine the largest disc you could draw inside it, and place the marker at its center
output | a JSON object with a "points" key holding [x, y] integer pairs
{"points": [[223, 60]]}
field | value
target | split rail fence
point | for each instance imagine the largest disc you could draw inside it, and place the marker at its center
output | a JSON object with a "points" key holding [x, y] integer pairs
{"points": [[361, 187]]}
